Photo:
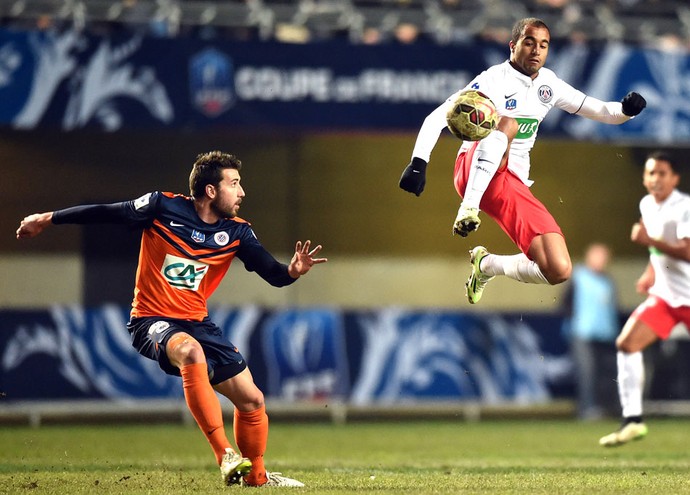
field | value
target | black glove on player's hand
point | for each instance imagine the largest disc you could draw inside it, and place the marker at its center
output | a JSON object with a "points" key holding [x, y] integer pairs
{"points": [[413, 177], [633, 103]]}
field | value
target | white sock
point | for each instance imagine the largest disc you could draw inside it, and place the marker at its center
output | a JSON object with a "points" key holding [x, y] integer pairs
{"points": [[489, 154], [517, 266], [630, 382]]}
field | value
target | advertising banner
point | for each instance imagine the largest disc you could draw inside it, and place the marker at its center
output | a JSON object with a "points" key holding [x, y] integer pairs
{"points": [[70, 80], [362, 357]]}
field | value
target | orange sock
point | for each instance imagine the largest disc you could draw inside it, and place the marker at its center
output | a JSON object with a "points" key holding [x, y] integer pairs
{"points": [[205, 406], [251, 436]]}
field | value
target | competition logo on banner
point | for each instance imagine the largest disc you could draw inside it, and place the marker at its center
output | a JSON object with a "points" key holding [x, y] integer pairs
{"points": [[211, 76], [306, 352]]}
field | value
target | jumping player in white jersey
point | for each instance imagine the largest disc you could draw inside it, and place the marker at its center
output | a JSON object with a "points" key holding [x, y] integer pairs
{"points": [[492, 175], [665, 230]]}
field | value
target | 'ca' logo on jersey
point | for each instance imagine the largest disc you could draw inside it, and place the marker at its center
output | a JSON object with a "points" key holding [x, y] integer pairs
{"points": [[182, 273]]}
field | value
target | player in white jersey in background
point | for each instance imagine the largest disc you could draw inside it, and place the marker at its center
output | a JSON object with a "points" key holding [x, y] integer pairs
{"points": [[492, 175], [665, 230]]}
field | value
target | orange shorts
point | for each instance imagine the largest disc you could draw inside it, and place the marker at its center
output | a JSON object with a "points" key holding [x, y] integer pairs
{"points": [[660, 317], [509, 202]]}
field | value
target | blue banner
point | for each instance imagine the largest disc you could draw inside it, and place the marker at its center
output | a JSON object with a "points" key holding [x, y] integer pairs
{"points": [[361, 357], [70, 80]]}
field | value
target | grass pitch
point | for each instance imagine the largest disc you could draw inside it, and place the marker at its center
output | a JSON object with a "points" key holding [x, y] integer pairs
{"points": [[420, 457]]}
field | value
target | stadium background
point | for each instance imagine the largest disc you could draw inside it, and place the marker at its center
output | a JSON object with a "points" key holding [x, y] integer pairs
{"points": [[321, 101]]}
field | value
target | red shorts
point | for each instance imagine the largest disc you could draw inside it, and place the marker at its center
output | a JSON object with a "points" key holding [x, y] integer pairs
{"points": [[661, 317], [509, 202]]}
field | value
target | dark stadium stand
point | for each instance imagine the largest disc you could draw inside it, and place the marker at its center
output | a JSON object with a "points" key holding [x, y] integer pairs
{"points": [[366, 21]]}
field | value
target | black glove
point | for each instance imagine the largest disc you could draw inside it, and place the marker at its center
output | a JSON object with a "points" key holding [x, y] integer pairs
{"points": [[633, 103], [414, 176]]}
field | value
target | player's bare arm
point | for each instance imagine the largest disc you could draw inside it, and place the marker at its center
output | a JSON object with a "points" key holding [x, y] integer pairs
{"points": [[639, 235], [304, 259], [646, 280], [34, 224], [679, 250]]}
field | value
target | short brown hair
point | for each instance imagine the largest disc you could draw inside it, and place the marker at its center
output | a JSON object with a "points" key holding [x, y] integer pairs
{"points": [[208, 169]]}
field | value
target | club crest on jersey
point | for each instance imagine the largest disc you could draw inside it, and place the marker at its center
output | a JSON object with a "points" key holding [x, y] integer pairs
{"points": [[198, 236], [221, 238], [545, 93], [511, 104]]}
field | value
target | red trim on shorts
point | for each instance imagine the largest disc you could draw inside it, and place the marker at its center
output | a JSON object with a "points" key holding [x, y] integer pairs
{"points": [[509, 202], [661, 317]]}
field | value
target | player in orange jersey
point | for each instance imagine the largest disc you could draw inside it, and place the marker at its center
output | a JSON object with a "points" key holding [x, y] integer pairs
{"points": [[187, 246]]}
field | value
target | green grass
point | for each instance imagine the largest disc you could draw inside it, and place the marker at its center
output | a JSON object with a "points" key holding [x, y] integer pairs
{"points": [[435, 457]]}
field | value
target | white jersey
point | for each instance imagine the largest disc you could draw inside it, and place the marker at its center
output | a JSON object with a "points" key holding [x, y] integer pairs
{"points": [[668, 221], [525, 99]]}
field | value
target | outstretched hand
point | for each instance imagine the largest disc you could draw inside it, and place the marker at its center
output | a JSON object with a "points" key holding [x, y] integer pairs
{"points": [[33, 225], [304, 259]]}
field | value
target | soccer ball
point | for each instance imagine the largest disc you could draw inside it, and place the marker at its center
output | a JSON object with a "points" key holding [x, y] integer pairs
{"points": [[472, 117]]}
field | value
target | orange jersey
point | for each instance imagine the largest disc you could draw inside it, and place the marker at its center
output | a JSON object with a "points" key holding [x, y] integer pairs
{"points": [[182, 259]]}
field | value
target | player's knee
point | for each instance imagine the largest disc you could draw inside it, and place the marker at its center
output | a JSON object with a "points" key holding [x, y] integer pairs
{"points": [[257, 399], [558, 271], [508, 126], [183, 349], [624, 344], [251, 400]]}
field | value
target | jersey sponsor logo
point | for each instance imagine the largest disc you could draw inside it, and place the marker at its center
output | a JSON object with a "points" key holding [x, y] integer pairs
{"points": [[175, 224], [198, 236], [221, 238], [526, 128], [139, 203], [475, 85], [182, 273], [655, 251], [545, 93], [511, 104]]}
